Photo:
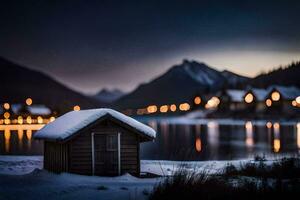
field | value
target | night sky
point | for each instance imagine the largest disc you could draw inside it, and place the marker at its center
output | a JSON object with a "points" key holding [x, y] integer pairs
{"points": [[89, 45]]}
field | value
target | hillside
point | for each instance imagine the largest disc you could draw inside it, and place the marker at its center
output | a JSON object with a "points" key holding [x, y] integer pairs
{"points": [[179, 84], [18, 83], [288, 76]]}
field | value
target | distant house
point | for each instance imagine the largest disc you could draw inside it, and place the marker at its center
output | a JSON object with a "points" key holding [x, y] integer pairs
{"points": [[256, 99], [94, 142], [281, 98], [232, 99]]}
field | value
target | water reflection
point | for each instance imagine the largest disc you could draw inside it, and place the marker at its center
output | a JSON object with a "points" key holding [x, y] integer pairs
{"points": [[7, 140], [276, 141], [211, 141], [249, 134], [298, 135], [12, 139]]}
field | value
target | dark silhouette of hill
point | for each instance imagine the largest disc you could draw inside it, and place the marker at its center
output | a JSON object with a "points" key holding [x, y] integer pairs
{"points": [[179, 84], [19, 82], [288, 76]]}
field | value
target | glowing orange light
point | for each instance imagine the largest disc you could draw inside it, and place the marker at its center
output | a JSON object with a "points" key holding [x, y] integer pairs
{"points": [[249, 98], [28, 101], [297, 100], [6, 106], [248, 125], [164, 109], [6, 115], [212, 103], [198, 145], [40, 120], [276, 125], [275, 96], [51, 119], [6, 121], [6, 139], [28, 120], [294, 103], [197, 100], [20, 120], [276, 144], [269, 125], [152, 109], [76, 108], [173, 107], [269, 102], [184, 107]]}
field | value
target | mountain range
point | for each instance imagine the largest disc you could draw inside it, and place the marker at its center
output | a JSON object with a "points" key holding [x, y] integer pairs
{"points": [[19, 82], [180, 82], [108, 96]]}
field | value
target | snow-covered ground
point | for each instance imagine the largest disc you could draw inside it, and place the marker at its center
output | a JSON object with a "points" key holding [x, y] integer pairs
{"points": [[20, 165], [22, 177]]}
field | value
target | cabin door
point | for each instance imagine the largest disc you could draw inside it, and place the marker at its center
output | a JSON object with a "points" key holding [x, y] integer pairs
{"points": [[106, 154]]}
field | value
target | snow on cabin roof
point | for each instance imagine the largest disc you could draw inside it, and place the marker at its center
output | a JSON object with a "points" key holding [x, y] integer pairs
{"points": [[236, 95], [38, 110], [71, 122], [288, 93]]}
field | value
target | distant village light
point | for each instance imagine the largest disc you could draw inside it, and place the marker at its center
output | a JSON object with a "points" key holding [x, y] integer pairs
{"points": [[6, 121], [275, 96], [164, 109], [294, 103], [28, 101], [20, 120], [276, 125], [298, 100], [76, 108], [249, 98], [173, 108], [269, 125], [52, 119], [28, 120], [197, 100], [6, 106], [269, 102], [40, 119], [6, 115], [184, 107], [152, 109]]}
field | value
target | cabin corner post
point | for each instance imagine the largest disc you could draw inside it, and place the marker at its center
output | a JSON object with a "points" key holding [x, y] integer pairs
{"points": [[119, 153], [93, 153]]}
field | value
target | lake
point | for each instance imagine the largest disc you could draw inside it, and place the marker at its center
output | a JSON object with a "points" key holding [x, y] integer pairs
{"points": [[195, 140]]}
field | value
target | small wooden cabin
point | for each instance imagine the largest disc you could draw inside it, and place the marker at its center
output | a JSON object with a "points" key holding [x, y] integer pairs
{"points": [[94, 142]]}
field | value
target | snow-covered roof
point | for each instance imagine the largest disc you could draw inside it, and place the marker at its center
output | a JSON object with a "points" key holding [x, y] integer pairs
{"points": [[38, 110], [288, 93], [236, 95], [72, 122]]}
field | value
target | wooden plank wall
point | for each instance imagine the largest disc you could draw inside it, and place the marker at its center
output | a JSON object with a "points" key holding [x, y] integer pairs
{"points": [[76, 155], [56, 157]]}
